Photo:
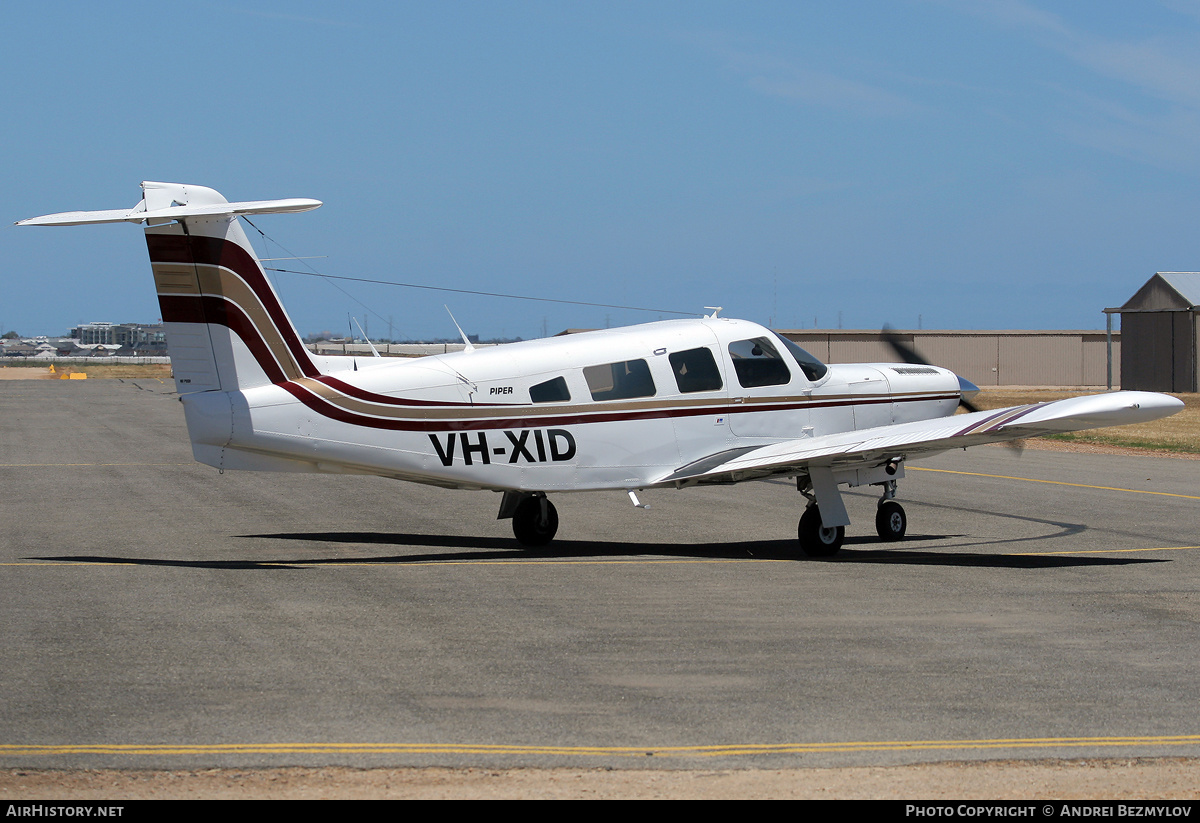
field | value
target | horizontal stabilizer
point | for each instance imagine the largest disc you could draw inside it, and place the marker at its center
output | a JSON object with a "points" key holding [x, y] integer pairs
{"points": [[139, 213]]}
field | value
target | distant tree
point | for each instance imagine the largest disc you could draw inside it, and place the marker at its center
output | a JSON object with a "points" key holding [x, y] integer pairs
{"points": [[9, 335]]}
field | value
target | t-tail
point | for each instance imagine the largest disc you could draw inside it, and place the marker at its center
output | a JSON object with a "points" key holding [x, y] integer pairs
{"points": [[226, 329]]}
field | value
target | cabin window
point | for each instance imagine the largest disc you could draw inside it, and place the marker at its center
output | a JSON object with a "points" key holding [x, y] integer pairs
{"points": [[813, 368], [620, 381], [552, 391], [758, 363], [695, 370]]}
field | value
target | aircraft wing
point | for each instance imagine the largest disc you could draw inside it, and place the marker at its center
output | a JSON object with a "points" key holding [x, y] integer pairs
{"points": [[925, 437]]}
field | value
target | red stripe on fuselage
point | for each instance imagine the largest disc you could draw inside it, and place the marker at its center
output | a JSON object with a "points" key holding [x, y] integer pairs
{"points": [[219, 311], [324, 407], [387, 400]]}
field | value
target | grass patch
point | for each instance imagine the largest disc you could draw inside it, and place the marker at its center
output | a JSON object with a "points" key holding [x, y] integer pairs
{"points": [[1099, 438], [1177, 433]]}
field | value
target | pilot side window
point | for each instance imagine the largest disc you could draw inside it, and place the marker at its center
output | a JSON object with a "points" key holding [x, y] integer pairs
{"points": [[757, 363], [695, 370], [552, 391], [620, 381]]}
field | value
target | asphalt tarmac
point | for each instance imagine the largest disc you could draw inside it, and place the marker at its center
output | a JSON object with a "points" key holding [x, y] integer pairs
{"points": [[157, 614]]}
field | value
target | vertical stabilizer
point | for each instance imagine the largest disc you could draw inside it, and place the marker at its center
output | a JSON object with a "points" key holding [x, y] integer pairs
{"points": [[226, 329], [225, 325]]}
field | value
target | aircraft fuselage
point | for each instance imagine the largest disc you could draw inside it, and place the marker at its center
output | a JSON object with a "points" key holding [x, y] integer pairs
{"points": [[536, 415]]}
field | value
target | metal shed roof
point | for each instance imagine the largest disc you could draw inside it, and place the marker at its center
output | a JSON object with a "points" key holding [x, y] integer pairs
{"points": [[1187, 283], [1165, 291]]}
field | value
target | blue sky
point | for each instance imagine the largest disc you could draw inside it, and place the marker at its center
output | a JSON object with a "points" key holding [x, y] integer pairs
{"points": [[994, 164]]}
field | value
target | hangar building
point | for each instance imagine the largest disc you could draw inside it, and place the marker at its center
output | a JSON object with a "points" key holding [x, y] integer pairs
{"points": [[1160, 326], [986, 358]]}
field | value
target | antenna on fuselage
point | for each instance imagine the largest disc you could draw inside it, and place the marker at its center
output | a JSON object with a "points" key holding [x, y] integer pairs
{"points": [[715, 311], [461, 333], [374, 351]]}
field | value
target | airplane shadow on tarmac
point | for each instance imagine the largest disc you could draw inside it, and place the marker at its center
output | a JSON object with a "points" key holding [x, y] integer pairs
{"points": [[856, 549], [458, 549]]}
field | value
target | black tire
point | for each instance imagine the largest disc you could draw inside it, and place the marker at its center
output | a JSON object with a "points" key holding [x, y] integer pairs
{"points": [[528, 525], [815, 539], [890, 521]]}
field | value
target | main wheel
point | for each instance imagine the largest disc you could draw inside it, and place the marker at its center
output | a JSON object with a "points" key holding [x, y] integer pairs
{"points": [[890, 521], [530, 526], [815, 539]]}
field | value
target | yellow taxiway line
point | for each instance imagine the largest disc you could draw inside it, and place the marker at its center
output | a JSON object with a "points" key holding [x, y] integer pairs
{"points": [[726, 750], [1106, 551], [1052, 482]]}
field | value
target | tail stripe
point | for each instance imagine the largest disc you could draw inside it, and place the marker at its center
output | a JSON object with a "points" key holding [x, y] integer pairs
{"points": [[234, 293], [212, 251], [211, 309], [217, 284]]}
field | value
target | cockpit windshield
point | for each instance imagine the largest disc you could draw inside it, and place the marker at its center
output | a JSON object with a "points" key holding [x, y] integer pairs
{"points": [[813, 368]]}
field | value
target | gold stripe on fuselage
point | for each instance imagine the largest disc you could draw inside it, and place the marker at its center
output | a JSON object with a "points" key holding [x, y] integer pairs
{"points": [[719, 405]]}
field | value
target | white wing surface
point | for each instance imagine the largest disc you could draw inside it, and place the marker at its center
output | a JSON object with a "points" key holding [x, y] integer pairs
{"points": [[926, 437]]}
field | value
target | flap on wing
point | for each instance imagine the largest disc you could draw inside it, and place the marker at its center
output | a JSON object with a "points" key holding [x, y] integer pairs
{"points": [[927, 437]]}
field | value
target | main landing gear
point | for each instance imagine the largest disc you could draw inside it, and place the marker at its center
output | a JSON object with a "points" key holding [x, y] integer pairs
{"points": [[819, 540], [815, 539], [535, 520]]}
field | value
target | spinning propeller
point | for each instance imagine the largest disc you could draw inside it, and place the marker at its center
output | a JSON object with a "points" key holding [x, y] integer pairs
{"points": [[910, 355]]}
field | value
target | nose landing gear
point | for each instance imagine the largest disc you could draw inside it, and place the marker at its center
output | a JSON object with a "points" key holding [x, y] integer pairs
{"points": [[818, 540], [890, 521]]}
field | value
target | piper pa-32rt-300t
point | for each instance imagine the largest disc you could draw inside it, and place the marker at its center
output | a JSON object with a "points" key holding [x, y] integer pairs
{"points": [[673, 403]]}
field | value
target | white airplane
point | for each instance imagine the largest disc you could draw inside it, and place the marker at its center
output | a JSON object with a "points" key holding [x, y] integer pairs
{"points": [[669, 404]]}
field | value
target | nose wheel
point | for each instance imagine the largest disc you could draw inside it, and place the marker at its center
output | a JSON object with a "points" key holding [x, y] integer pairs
{"points": [[890, 521], [819, 540]]}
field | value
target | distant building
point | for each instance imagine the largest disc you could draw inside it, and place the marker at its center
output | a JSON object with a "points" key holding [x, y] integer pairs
{"points": [[140, 338]]}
